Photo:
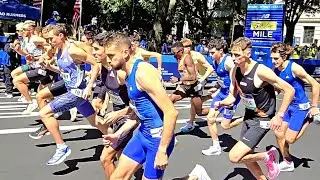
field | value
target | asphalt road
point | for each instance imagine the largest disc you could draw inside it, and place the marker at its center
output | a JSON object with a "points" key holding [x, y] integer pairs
{"points": [[24, 158]]}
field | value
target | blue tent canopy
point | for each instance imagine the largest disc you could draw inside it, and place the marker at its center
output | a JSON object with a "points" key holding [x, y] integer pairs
{"points": [[14, 10]]}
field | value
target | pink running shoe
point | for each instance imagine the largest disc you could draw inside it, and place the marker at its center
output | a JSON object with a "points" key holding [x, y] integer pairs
{"points": [[273, 169]]}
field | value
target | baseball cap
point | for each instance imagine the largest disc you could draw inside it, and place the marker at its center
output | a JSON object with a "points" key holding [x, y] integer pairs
{"points": [[55, 13]]}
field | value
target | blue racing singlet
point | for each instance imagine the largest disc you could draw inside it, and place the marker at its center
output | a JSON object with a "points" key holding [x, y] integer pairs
{"points": [[300, 96], [73, 74], [223, 76], [149, 114]]}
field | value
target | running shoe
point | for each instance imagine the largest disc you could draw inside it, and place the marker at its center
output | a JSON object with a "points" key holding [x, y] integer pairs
{"points": [[286, 166], [39, 133], [187, 128], [200, 173], [59, 156], [212, 151], [73, 114], [273, 168], [22, 99], [31, 107]]}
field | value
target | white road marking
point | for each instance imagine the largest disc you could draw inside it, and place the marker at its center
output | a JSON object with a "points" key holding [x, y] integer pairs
{"points": [[13, 109], [33, 114], [2, 103], [12, 106]]}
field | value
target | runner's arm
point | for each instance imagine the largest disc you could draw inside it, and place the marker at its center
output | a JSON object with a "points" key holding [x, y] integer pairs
{"points": [[148, 80], [299, 72], [206, 64], [79, 54], [231, 98], [229, 65], [39, 41], [190, 68], [148, 54], [267, 75], [131, 123]]}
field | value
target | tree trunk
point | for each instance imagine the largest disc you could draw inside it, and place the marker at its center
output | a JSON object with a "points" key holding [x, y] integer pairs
{"points": [[289, 32]]}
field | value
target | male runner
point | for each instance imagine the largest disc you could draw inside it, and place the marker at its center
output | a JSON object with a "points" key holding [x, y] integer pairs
{"points": [[70, 60], [255, 83], [223, 64], [204, 70], [114, 90], [294, 120], [140, 53], [188, 85], [154, 141]]}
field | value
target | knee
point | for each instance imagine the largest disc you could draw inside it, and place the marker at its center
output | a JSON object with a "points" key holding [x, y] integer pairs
{"points": [[234, 158], [279, 134], [44, 114], [15, 80], [39, 97], [211, 120], [106, 160], [225, 126], [290, 140]]}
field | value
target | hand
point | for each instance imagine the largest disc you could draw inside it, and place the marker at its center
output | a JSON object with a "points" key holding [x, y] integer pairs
{"points": [[110, 118], [161, 161], [276, 122], [173, 79], [28, 57], [87, 92], [103, 110], [110, 139], [212, 91], [314, 111]]}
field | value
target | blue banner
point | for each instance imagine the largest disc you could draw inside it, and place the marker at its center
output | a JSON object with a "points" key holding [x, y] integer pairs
{"points": [[264, 26]]}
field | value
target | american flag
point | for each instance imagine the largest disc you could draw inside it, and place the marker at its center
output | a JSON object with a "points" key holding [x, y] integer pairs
{"points": [[76, 11], [37, 3]]}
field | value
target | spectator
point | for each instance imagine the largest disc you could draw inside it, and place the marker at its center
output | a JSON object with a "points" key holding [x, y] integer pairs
{"points": [[318, 54], [143, 43], [54, 19], [304, 53], [166, 46], [201, 48]]}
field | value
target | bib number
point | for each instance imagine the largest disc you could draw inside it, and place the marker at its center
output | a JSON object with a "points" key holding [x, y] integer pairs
{"points": [[265, 124], [248, 101], [156, 132], [42, 72], [221, 82], [77, 92], [116, 99], [304, 106], [66, 77]]}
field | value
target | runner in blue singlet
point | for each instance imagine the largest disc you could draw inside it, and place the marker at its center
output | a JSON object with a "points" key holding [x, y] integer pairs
{"points": [[70, 60], [295, 119], [154, 140]]}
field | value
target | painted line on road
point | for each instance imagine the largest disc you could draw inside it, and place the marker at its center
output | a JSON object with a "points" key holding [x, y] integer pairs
{"points": [[11, 102], [33, 114], [76, 127], [12, 106], [13, 109]]}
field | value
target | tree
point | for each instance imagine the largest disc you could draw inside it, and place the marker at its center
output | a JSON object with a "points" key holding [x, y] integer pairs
{"points": [[294, 10]]}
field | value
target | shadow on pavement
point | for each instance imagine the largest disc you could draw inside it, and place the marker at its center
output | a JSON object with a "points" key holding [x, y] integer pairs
{"points": [[227, 141], [72, 164], [245, 173], [90, 134], [196, 131]]}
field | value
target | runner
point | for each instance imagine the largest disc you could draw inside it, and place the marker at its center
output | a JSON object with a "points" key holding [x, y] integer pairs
{"points": [[117, 93], [204, 70], [223, 64], [188, 85], [254, 82], [144, 54], [70, 60], [154, 141], [294, 120]]}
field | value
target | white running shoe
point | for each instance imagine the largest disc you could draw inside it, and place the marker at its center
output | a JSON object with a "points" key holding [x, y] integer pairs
{"points": [[73, 114], [22, 99], [286, 166], [187, 128], [212, 151], [31, 107], [200, 173], [9, 95]]}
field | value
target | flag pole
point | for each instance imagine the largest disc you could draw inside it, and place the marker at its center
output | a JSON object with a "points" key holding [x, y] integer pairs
{"points": [[41, 16], [80, 18]]}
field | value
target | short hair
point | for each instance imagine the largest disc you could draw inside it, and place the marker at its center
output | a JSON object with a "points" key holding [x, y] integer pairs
{"points": [[117, 39], [242, 43], [285, 50], [47, 28], [19, 26], [218, 44], [177, 45], [135, 38], [39, 29], [59, 28], [88, 34], [30, 23], [186, 42], [102, 38]]}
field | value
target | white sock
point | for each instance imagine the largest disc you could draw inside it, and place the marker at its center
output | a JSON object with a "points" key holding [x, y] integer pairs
{"points": [[62, 146], [216, 142]]}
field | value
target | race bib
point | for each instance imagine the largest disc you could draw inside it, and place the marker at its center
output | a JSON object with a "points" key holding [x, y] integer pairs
{"points": [[66, 77], [304, 106], [77, 92], [42, 72], [156, 132], [221, 82], [248, 101], [35, 65], [116, 99], [265, 124], [134, 108]]}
